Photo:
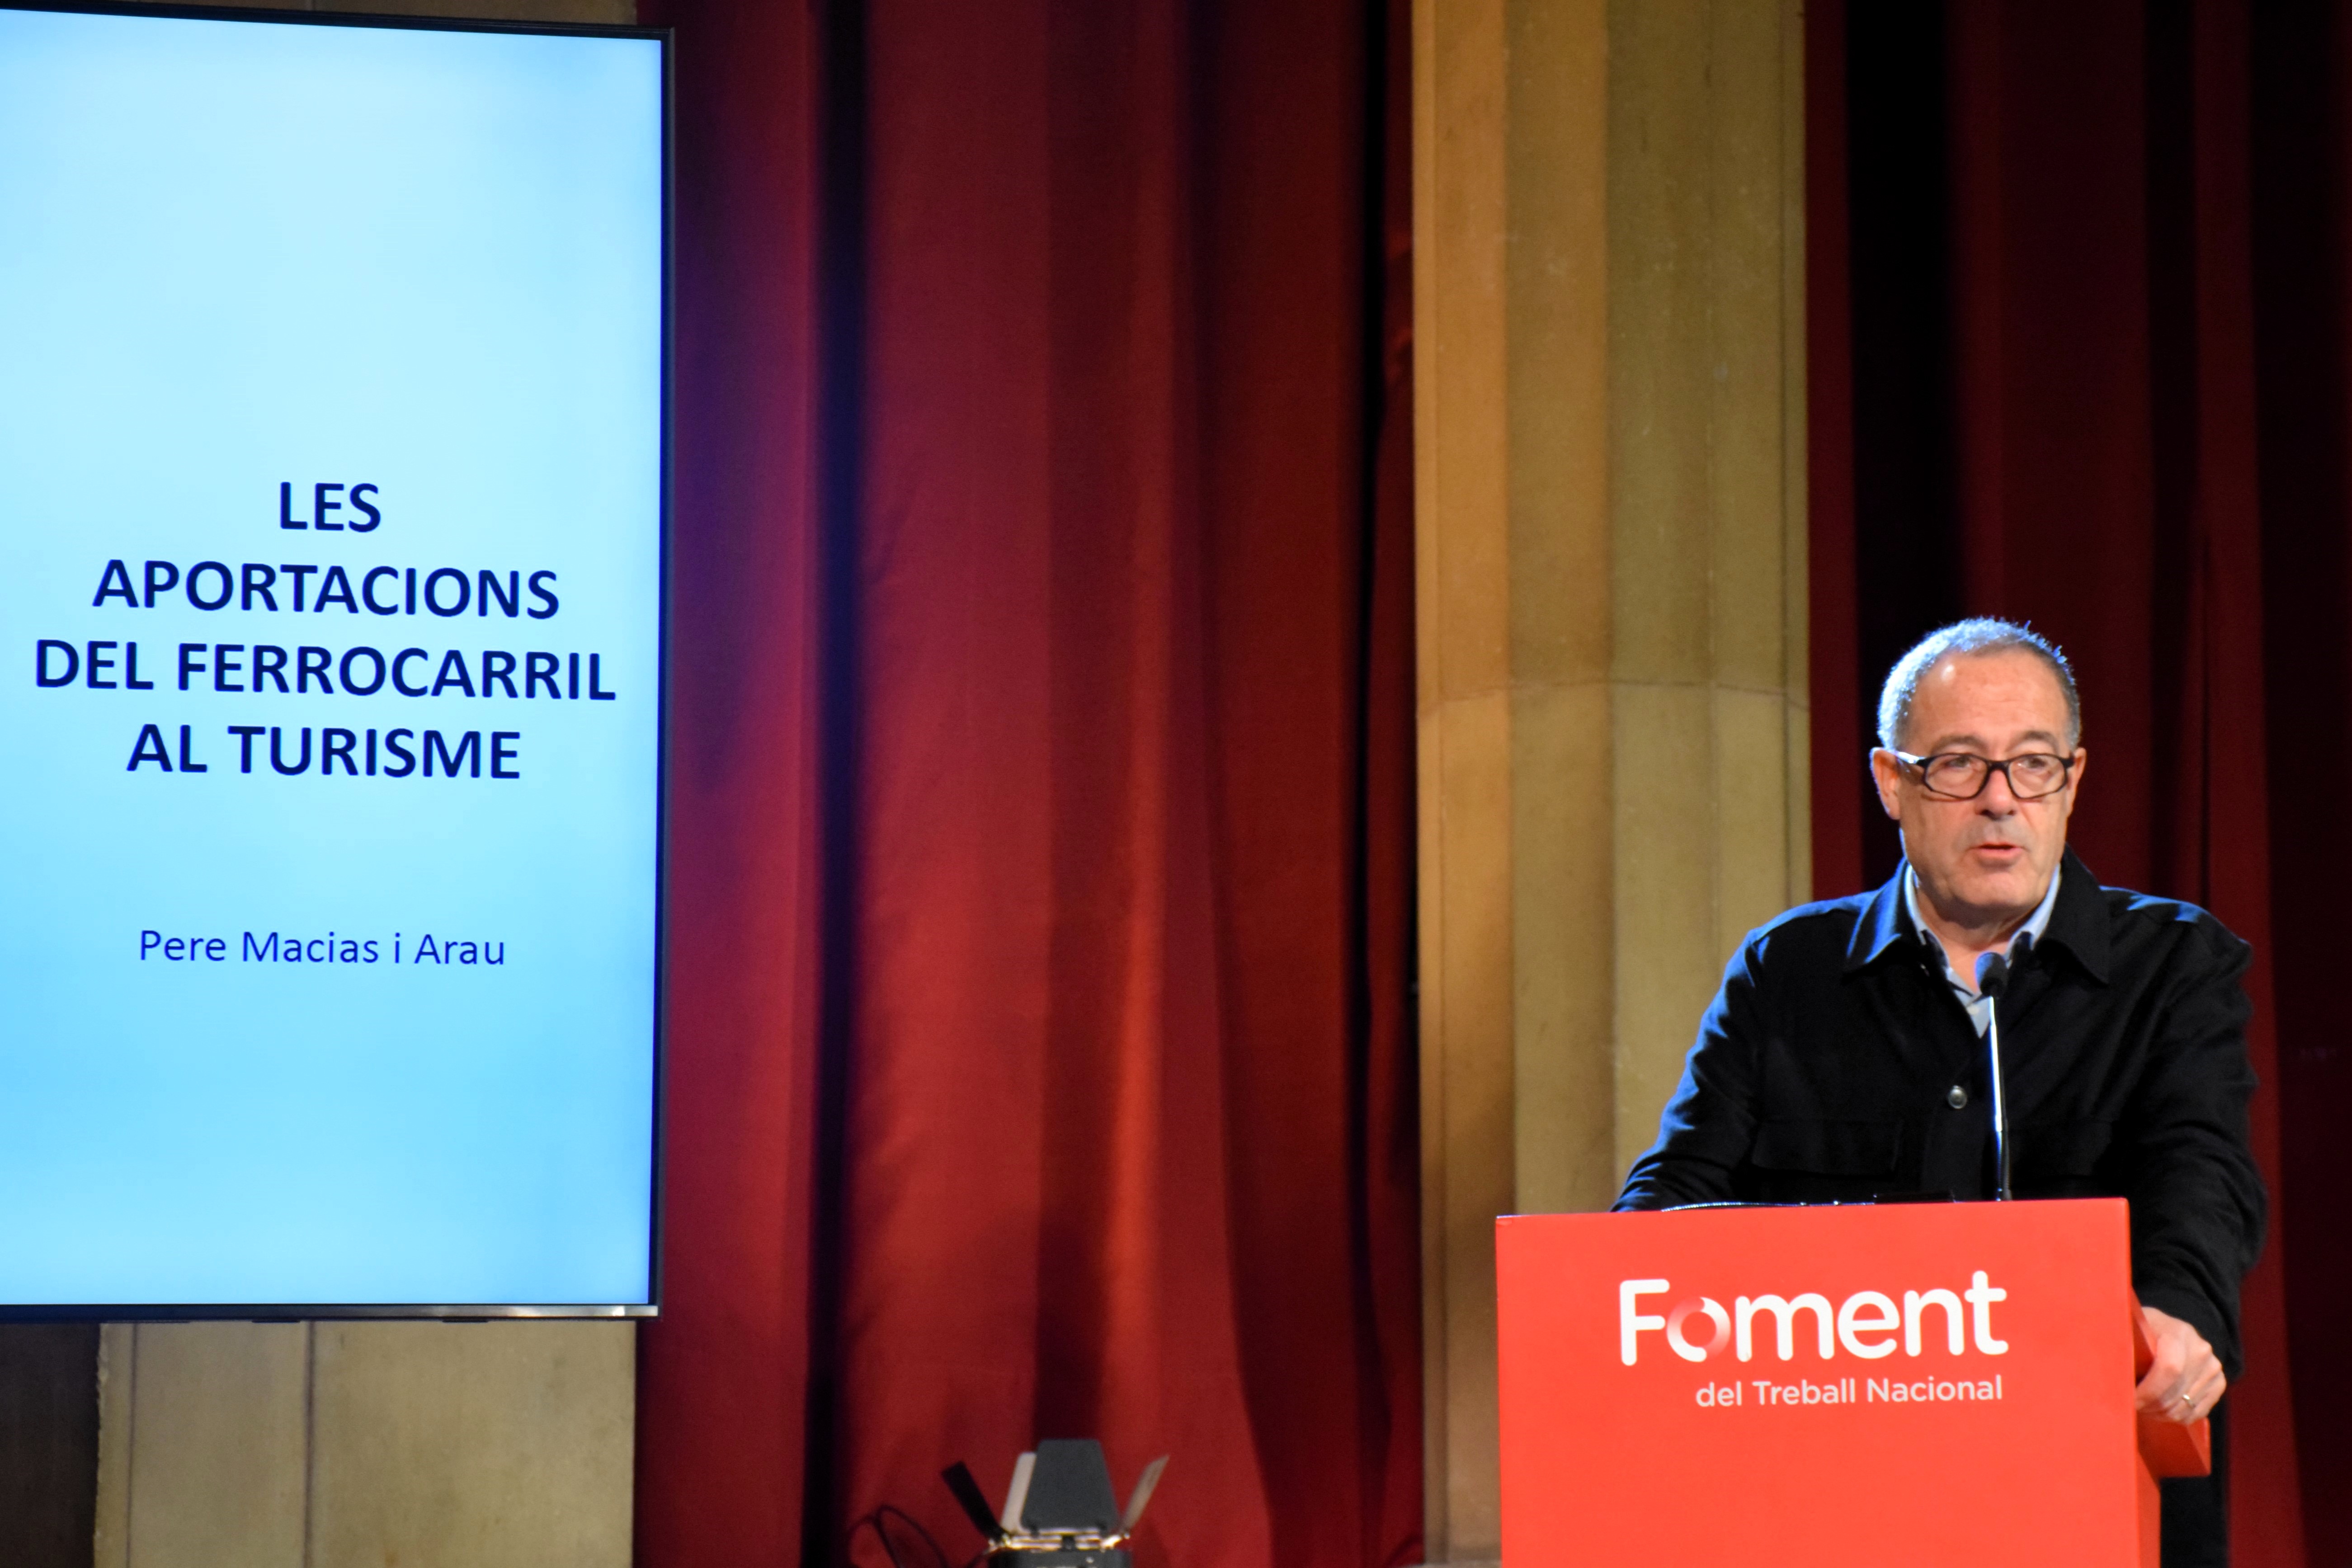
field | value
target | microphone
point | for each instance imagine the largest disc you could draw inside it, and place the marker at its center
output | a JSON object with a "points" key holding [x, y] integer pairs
{"points": [[1993, 984]]}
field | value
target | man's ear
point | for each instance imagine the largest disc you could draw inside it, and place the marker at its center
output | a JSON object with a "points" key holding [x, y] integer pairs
{"points": [[1887, 773], [2074, 779]]}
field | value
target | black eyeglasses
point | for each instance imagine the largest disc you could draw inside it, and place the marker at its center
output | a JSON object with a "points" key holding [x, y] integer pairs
{"points": [[1962, 775]]}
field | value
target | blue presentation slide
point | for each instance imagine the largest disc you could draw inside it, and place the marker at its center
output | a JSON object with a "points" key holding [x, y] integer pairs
{"points": [[331, 417]]}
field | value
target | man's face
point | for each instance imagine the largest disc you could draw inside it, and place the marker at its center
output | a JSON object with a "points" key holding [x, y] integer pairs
{"points": [[1989, 859]]}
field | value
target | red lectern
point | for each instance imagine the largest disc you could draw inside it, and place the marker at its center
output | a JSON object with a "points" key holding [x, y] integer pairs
{"points": [[1924, 1383]]}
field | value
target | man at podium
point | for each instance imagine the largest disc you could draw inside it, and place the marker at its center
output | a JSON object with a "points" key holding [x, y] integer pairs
{"points": [[1846, 1058]]}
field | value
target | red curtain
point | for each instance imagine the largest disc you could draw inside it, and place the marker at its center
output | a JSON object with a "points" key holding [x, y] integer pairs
{"points": [[2079, 357], [724, 1377], [1039, 1059]]}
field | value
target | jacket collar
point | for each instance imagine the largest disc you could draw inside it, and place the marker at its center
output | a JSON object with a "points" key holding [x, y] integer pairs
{"points": [[1883, 924], [2078, 921]]}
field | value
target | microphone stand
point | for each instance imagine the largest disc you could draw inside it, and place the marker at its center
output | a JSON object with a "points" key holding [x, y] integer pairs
{"points": [[1993, 984]]}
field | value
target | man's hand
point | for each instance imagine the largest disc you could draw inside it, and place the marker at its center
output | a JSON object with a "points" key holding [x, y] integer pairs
{"points": [[2185, 1381]]}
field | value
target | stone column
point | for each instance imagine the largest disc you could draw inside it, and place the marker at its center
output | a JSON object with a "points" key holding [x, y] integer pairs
{"points": [[1609, 277]]}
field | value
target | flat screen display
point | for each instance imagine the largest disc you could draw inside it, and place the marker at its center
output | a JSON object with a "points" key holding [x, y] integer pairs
{"points": [[330, 597]]}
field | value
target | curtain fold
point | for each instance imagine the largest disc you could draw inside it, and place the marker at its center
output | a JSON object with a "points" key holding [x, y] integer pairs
{"points": [[2301, 84], [722, 1378], [2074, 353], [1038, 1052]]}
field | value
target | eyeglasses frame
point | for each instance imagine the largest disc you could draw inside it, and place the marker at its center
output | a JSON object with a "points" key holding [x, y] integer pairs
{"points": [[1919, 766]]}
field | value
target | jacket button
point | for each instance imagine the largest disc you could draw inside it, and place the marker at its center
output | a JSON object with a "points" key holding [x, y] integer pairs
{"points": [[1958, 1098]]}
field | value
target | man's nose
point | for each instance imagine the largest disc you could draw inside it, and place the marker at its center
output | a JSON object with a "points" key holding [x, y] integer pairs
{"points": [[1997, 799]]}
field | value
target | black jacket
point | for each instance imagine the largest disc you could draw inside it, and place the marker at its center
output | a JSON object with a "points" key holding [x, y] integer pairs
{"points": [[1825, 1067]]}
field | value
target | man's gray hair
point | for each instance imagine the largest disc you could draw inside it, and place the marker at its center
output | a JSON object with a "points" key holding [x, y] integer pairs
{"points": [[1982, 634]]}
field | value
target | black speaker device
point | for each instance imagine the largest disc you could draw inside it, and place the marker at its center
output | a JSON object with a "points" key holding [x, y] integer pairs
{"points": [[1061, 1511]]}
